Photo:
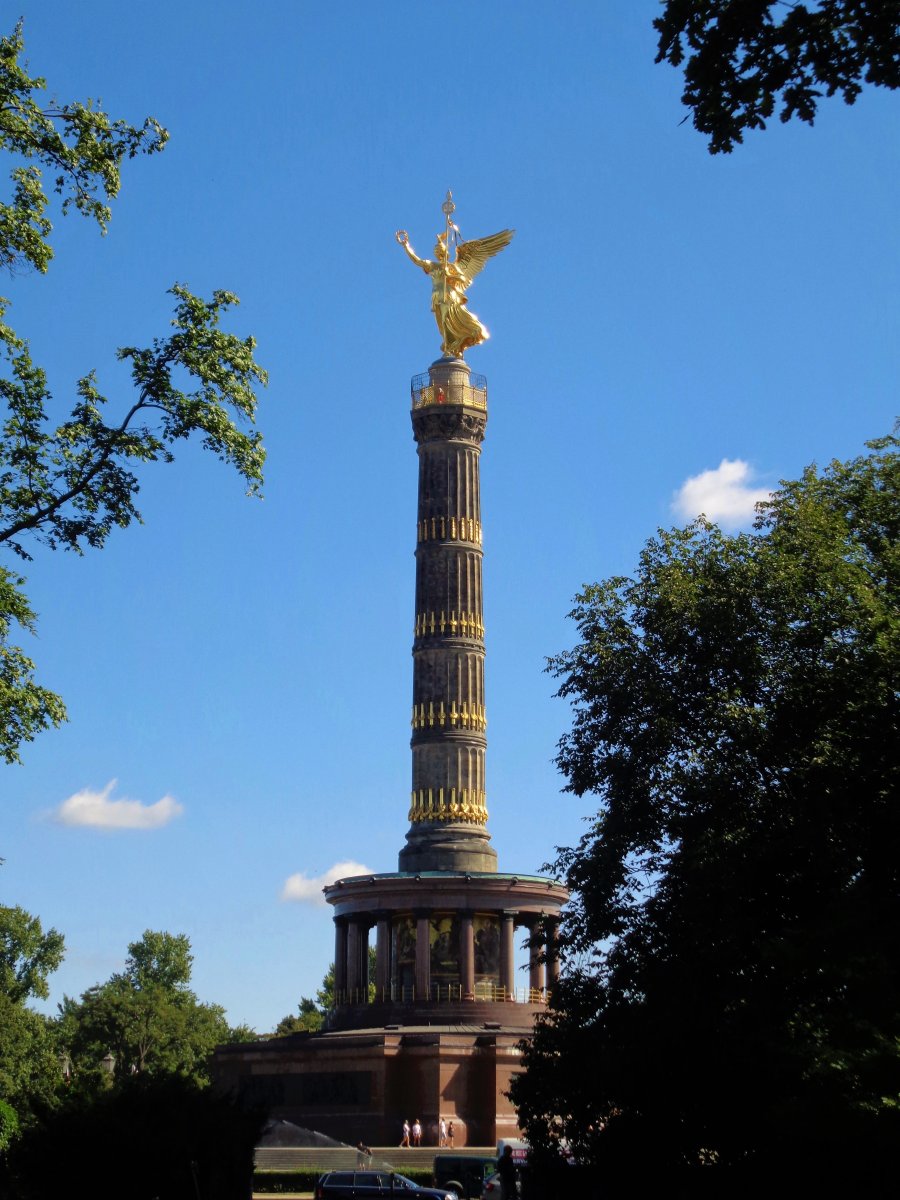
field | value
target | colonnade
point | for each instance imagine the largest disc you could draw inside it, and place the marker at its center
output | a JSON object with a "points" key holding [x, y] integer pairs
{"points": [[351, 954]]}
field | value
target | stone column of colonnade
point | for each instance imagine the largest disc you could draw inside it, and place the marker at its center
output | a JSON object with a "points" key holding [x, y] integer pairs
{"points": [[351, 957], [340, 957], [382, 955], [448, 808], [357, 960]]}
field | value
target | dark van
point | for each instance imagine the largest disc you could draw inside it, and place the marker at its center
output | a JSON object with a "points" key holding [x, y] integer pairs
{"points": [[462, 1173]]}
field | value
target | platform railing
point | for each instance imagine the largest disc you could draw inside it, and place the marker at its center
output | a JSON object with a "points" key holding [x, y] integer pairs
{"points": [[471, 391], [438, 993]]}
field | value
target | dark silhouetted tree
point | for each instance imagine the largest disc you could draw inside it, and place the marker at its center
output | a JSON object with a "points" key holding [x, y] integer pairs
{"points": [[745, 58], [733, 943]]}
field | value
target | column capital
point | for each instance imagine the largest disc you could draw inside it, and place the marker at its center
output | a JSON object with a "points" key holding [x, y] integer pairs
{"points": [[441, 423]]}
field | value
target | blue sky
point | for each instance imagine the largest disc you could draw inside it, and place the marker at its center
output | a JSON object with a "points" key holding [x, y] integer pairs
{"points": [[247, 663]]}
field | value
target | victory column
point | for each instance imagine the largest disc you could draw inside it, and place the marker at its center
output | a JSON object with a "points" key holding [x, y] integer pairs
{"points": [[448, 812], [436, 1032]]}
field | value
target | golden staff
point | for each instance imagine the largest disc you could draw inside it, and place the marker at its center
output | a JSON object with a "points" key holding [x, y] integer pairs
{"points": [[447, 208]]}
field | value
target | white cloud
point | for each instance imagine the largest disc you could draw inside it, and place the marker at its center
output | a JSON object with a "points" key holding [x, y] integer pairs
{"points": [[98, 811], [309, 890], [725, 495]]}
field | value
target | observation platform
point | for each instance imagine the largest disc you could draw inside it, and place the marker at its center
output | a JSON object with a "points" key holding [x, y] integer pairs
{"points": [[449, 382]]}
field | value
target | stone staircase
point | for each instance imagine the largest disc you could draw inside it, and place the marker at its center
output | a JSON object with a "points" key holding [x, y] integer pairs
{"points": [[344, 1158]]}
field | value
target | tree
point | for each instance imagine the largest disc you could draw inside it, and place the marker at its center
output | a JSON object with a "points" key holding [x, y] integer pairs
{"points": [[9, 1126], [27, 955], [30, 1071], [733, 942], [147, 1017], [154, 1108], [159, 1135], [160, 958], [742, 62], [242, 1032], [309, 1019], [68, 485]]}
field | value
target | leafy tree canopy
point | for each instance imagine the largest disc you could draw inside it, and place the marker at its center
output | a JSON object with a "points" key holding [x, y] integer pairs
{"points": [[744, 58], [160, 958], [68, 484], [242, 1033], [733, 965], [9, 1125], [30, 1072], [147, 1017], [308, 1019], [77, 143], [27, 955]]}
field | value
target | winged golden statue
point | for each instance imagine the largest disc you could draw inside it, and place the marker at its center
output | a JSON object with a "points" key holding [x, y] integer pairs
{"points": [[459, 328]]}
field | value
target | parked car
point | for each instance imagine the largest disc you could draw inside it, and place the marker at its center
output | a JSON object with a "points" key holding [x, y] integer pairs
{"points": [[361, 1185], [463, 1173]]}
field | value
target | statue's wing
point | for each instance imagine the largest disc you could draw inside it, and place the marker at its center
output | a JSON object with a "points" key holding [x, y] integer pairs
{"points": [[471, 256]]}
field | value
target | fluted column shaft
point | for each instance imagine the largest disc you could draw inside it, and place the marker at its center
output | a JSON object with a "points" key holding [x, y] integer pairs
{"points": [[448, 809], [353, 957], [423, 956], [507, 951], [382, 955], [340, 958], [467, 955]]}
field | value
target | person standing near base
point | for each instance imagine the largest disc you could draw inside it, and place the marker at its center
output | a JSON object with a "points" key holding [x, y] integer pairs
{"points": [[416, 1133], [506, 1169]]}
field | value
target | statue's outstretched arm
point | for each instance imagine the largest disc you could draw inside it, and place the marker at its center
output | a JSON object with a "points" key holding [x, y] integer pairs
{"points": [[403, 238]]}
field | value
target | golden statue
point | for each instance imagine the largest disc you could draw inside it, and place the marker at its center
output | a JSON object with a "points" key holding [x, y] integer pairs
{"points": [[459, 328]]}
